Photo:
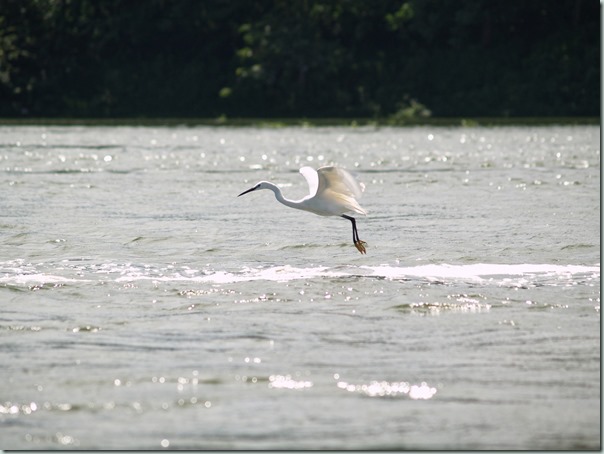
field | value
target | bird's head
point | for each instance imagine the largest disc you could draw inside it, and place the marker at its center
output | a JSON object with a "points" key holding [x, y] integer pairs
{"points": [[261, 185]]}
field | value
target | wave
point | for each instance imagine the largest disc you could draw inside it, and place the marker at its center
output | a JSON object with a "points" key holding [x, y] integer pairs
{"points": [[480, 271], [19, 273]]}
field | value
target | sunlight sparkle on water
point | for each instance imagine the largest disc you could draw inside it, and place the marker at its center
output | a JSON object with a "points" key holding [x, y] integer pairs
{"points": [[390, 389], [287, 382]]}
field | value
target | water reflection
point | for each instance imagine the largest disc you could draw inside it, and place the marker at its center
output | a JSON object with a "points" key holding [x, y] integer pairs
{"points": [[287, 382], [436, 308], [391, 389]]}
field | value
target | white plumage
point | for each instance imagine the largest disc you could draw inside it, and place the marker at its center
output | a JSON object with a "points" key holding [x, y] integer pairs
{"points": [[333, 191]]}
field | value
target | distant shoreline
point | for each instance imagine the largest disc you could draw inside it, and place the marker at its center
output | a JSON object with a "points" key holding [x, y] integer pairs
{"points": [[303, 122]]}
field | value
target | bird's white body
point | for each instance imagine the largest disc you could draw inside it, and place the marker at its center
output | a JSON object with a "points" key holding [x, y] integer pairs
{"points": [[333, 192]]}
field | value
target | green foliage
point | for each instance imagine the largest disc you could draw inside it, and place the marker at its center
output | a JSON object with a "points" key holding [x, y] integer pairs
{"points": [[404, 60], [410, 111], [397, 19]]}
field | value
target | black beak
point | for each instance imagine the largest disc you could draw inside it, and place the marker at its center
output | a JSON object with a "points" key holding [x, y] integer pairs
{"points": [[249, 190]]}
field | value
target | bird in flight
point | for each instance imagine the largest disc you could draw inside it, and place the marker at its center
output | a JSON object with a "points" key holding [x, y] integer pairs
{"points": [[333, 192]]}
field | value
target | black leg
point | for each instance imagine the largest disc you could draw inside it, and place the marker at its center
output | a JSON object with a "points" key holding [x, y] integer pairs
{"points": [[360, 245], [355, 234]]}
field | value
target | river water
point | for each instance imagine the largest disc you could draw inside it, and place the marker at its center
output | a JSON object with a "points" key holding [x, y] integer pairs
{"points": [[145, 306]]}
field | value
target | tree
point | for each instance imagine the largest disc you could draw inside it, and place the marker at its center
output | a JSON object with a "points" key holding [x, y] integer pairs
{"points": [[345, 58]]}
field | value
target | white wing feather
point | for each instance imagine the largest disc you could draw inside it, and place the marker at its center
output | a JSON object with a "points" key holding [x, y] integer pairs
{"points": [[339, 180], [338, 184], [312, 178]]}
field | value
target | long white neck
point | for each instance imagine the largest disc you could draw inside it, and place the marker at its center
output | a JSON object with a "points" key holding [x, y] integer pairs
{"points": [[280, 198]]}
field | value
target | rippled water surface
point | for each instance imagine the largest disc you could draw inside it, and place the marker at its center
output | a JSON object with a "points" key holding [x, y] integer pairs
{"points": [[145, 306]]}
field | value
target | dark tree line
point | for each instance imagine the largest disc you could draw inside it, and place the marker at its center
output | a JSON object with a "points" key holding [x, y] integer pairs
{"points": [[279, 58]]}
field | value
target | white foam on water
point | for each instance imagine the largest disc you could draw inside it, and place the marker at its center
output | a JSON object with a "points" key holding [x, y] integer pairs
{"points": [[278, 274], [479, 271], [475, 273], [37, 278]]}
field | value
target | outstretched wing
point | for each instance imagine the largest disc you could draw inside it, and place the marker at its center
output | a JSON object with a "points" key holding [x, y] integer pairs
{"points": [[340, 181], [312, 178], [339, 184]]}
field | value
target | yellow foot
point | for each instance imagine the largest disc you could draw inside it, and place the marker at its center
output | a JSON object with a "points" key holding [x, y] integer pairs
{"points": [[360, 245]]}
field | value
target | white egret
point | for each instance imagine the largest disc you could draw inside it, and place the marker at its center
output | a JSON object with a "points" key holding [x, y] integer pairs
{"points": [[333, 192]]}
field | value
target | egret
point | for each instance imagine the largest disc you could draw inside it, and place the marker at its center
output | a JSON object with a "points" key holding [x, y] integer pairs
{"points": [[333, 192]]}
